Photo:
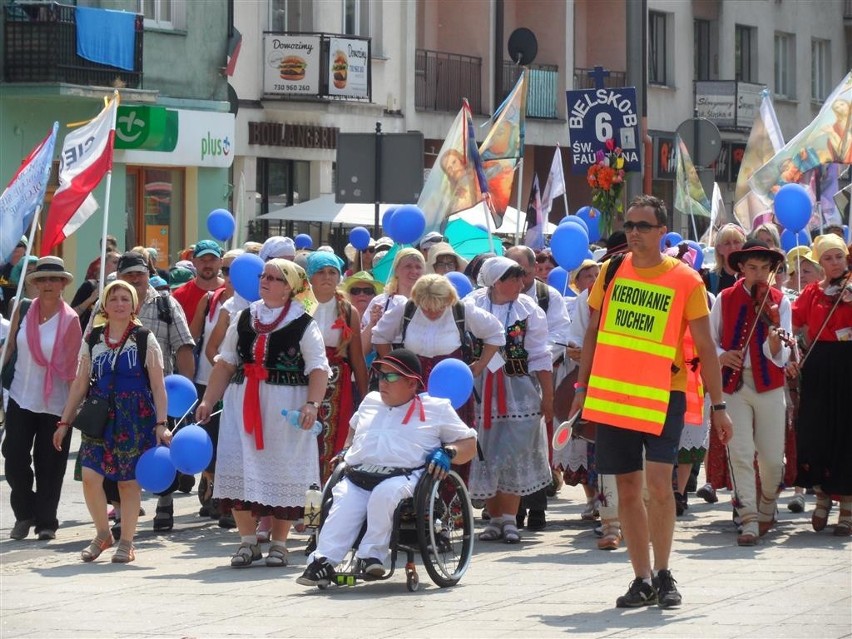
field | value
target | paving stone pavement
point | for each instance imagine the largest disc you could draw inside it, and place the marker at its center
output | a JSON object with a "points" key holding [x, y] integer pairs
{"points": [[556, 583]]}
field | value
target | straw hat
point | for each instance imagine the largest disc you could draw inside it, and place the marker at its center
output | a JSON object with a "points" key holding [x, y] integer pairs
{"points": [[50, 266]]}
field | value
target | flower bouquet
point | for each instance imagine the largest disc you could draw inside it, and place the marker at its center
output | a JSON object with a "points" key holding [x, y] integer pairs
{"points": [[606, 177]]}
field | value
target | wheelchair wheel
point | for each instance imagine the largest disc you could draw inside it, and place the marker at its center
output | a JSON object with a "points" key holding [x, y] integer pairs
{"points": [[444, 528]]}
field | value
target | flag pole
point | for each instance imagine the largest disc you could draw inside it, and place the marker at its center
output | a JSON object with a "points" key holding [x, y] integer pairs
{"points": [[694, 227], [520, 186], [487, 214], [564, 186], [102, 275]]}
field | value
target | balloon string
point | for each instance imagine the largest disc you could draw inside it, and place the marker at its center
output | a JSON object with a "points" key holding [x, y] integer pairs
{"points": [[188, 411]]}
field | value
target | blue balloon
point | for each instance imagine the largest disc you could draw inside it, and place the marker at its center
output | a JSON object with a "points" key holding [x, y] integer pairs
{"points": [[670, 239], [460, 283], [592, 217], [699, 254], [558, 279], [793, 206], [790, 240], [407, 224], [303, 241], [154, 470], [387, 220], [569, 245], [573, 219], [245, 274], [181, 395], [452, 380], [359, 238], [221, 224], [191, 449]]}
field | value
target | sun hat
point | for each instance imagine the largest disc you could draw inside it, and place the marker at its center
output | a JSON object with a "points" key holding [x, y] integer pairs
{"points": [[797, 255], [754, 248], [362, 277], [50, 266], [442, 248]]}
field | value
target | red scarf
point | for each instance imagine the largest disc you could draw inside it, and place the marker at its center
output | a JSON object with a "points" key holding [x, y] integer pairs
{"points": [[66, 347], [255, 372]]}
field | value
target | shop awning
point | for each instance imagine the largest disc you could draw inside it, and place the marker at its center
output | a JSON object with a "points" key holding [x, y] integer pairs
{"points": [[325, 209]]}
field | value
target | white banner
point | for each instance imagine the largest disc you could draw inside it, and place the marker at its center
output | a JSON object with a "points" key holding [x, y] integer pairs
{"points": [[348, 63]]}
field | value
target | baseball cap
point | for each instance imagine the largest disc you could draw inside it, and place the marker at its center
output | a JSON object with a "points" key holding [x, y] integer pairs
{"points": [[179, 276], [404, 362], [207, 247], [429, 239], [131, 262]]}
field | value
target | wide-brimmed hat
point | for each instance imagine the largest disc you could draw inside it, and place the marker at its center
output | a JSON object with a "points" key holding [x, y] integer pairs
{"points": [[754, 248], [50, 266], [362, 277], [404, 362], [442, 248], [797, 255]]}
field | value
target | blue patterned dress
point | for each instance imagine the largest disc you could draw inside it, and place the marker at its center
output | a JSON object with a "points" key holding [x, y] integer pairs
{"points": [[130, 429]]}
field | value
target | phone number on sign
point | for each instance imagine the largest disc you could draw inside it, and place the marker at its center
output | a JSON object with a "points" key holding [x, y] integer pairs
{"points": [[294, 88]]}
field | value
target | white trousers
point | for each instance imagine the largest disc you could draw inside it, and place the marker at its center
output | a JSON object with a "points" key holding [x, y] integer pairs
{"points": [[759, 420], [351, 506]]}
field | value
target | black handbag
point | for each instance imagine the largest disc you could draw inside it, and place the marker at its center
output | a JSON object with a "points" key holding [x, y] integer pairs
{"points": [[94, 414]]}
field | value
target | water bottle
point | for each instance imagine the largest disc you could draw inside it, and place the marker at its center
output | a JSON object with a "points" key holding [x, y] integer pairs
{"points": [[313, 506], [295, 419]]}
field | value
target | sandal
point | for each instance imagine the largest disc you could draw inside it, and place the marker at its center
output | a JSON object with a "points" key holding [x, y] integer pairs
{"points": [[819, 518], [277, 556], [511, 534], [611, 538], [843, 528], [94, 549], [492, 532], [245, 555], [264, 529], [124, 552]]}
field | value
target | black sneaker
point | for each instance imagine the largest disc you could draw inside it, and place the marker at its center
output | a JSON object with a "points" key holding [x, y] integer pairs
{"points": [[373, 567], [639, 594], [667, 594], [21, 529], [318, 573]]}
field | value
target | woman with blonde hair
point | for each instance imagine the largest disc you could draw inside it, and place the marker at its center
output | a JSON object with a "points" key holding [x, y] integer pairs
{"points": [[272, 358], [730, 238], [112, 357], [767, 233], [408, 266]]}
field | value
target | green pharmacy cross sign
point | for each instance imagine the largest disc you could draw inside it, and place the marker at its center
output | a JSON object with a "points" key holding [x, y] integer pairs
{"points": [[148, 128]]}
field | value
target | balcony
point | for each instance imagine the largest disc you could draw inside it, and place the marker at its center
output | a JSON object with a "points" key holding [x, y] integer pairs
{"points": [[614, 80], [443, 79], [542, 82], [41, 46]]}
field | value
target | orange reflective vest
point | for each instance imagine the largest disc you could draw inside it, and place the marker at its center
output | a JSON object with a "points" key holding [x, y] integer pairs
{"points": [[694, 415], [638, 337]]}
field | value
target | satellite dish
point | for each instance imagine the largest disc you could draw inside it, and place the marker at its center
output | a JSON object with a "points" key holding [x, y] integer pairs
{"points": [[523, 47]]}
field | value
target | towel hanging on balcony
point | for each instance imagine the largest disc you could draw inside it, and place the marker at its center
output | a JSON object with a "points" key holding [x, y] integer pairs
{"points": [[107, 37]]}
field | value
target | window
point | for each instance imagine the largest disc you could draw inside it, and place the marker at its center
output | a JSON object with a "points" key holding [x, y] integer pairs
{"points": [[163, 14], [356, 17], [282, 183], [155, 207], [785, 65], [658, 49], [745, 54], [291, 15], [820, 69], [702, 49]]}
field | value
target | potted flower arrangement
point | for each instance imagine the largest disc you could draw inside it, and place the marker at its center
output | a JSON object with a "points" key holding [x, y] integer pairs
{"points": [[606, 177]]}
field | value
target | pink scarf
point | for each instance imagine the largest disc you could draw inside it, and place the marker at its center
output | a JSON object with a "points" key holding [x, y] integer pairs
{"points": [[66, 347]]}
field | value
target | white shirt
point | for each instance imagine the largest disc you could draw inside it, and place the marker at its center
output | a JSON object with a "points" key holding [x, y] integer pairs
{"points": [[381, 437], [557, 319], [27, 387], [430, 338], [325, 315]]}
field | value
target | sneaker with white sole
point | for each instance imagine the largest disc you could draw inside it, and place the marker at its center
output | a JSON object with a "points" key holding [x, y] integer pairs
{"points": [[373, 567], [318, 573], [638, 594]]}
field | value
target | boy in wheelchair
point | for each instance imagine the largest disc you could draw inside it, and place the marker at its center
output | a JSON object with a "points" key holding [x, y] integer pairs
{"points": [[394, 437]]}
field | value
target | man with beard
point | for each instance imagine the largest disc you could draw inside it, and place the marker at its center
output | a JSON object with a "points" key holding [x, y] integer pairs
{"points": [[207, 259]]}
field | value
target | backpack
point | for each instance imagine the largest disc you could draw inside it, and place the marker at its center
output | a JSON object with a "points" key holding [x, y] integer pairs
{"points": [[465, 337], [614, 264]]}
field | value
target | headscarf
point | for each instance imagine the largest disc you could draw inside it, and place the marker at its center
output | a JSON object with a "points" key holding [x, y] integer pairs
{"points": [[101, 316], [298, 281], [823, 243], [277, 246], [319, 260], [493, 269], [403, 254]]}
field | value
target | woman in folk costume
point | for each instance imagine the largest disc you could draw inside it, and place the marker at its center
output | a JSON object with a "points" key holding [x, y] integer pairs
{"points": [[339, 323], [272, 358], [515, 398]]}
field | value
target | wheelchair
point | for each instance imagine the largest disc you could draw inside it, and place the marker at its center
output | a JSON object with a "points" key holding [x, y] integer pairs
{"points": [[437, 522]]}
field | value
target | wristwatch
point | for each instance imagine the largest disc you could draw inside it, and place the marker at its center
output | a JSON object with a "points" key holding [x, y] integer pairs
{"points": [[314, 404], [715, 407]]}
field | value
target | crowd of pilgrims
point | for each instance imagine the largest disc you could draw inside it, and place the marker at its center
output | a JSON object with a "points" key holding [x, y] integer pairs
{"points": [[308, 343]]}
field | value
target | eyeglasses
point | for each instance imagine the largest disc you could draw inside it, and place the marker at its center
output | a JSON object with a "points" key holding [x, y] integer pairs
{"points": [[642, 227], [367, 290], [225, 270], [446, 263], [270, 278], [389, 377]]}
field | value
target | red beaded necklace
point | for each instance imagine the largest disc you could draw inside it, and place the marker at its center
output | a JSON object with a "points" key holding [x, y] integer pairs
{"points": [[113, 345], [262, 329]]}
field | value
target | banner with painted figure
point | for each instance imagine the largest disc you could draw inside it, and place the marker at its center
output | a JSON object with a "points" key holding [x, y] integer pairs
{"points": [[690, 197], [452, 184], [764, 141], [826, 140], [503, 147]]}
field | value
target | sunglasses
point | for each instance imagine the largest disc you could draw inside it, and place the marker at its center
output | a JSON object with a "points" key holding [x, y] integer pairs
{"points": [[369, 249], [367, 290], [51, 278], [389, 377], [270, 278], [225, 270], [642, 227]]}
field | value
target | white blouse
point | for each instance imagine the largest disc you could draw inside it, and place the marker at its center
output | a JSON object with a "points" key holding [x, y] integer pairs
{"points": [[27, 387], [430, 338], [325, 315]]}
